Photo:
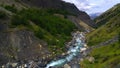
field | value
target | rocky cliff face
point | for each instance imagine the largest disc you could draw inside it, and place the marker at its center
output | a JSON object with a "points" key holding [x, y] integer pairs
{"points": [[20, 44]]}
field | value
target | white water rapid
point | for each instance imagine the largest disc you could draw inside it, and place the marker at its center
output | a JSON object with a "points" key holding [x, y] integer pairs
{"points": [[78, 45]]}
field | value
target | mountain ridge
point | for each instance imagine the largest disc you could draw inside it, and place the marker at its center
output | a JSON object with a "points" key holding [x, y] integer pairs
{"points": [[69, 7]]}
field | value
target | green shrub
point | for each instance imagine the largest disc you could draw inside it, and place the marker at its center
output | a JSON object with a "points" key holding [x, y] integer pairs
{"points": [[11, 8], [2, 14], [19, 20], [17, 1], [59, 11]]}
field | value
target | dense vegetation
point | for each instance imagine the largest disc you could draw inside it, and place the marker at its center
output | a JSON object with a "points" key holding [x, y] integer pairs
{"points": [[11, 8], [46, 26]]}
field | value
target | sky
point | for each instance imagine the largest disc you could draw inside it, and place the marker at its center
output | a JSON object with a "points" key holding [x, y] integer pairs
{"points": [[94, 6]]}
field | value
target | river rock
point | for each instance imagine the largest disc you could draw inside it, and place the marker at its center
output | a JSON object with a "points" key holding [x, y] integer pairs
{"points": [[91, 59], [14, 64], [66, 66], [75, 66]]}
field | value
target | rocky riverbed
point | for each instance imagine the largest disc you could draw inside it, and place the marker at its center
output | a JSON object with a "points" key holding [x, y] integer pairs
{"points": [[76, 47]]}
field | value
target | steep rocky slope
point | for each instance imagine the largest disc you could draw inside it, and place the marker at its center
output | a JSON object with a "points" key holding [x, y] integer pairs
{"points": [[19, 43]]}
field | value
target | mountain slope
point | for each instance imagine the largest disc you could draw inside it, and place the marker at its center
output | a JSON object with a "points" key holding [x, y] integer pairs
{"points": [[37, 32], [57, 5], [105, 17], [110, 29], [108, 54], [64, 6], [94, 15]]}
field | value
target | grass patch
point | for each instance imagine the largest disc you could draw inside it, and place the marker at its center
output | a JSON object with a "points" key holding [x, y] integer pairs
{"points": [[105, 57]]}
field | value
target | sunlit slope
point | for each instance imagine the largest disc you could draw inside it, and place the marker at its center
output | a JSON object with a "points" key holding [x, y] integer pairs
{"points": [[107, 55], [107, 31]]}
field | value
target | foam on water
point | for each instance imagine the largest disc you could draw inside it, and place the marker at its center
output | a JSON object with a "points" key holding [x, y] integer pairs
{"points": [[78, 42]]}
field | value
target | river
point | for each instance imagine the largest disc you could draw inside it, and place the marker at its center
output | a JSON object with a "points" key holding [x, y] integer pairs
{"points": [[77, 46]]}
